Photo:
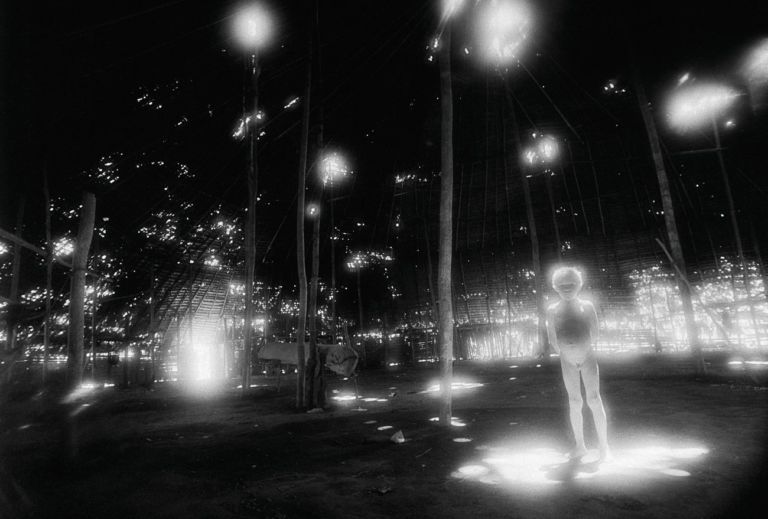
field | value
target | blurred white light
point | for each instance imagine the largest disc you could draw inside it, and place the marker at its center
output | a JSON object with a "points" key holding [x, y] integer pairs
{"points": [[502, 29], [548, 148], [252, 26], [699, 104], [313, 210], [754, 68], [451, 7], [333, 167]]}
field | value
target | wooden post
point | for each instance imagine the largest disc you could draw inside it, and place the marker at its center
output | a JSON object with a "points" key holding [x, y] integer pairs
{"points": [[15, 273], [445, 300], [314, 387], [77, 294], [48, 277], [250, 230], [300, 208], [671, 227], [152, 324]]}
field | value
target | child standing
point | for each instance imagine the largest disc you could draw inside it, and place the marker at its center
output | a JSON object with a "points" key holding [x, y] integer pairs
{"points": [[572, 330]]}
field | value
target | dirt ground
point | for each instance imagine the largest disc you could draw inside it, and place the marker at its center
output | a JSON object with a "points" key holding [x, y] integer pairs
{"points": [[682, 447]]}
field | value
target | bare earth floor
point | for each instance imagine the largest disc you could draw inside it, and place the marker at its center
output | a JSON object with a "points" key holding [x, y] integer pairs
{"points": [[682, 447]]}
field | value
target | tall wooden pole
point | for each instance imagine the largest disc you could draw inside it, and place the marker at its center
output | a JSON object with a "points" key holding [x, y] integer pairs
{"points": [[444, 263], [77, 295], [152, 324], [313, 390], [48, 276], [300, 208], [15, 274], [671, 226], [250, 228]]}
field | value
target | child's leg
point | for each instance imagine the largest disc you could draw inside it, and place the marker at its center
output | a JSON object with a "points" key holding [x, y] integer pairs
{"points": [[591, 374], [575, 404]]}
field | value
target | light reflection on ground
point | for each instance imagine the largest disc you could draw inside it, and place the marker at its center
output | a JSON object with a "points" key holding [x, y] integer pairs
{"points": [[455, 386], [547, 468]]}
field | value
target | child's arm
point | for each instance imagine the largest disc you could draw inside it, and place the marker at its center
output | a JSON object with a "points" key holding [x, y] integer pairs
{"points": [[550, 324]]}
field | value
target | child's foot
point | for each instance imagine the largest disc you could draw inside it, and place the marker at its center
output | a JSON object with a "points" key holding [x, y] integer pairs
{"points": [[605, 454], [578, 453]]}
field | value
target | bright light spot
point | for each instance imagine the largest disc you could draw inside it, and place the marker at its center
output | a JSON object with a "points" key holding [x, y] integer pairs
{"points": [[291, 103], [462, 440], [63, 247], [675, 472], [754, 68], [370, 422], [3, 248], [512, 378], [685, 77], [344, 398], [81, 391], [699, 104], [313, 210], [384, 428], [513, 367], [502, 30], [333, 167], [473, 470], [730, 123], [252, 26], [548, 148], [455, 386], [451, 7], [525, 465]]}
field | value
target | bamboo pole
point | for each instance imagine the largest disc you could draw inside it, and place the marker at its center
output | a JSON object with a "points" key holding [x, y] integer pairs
{"points": [[446, 230], [77, 294]]}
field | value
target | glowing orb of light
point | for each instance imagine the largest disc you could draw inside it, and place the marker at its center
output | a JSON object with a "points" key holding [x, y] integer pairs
{"points": [[548, 148], [698, 104], [502, 30], [544, 150], [313, 210], [754, 68], [333, 167], [252, 26]]}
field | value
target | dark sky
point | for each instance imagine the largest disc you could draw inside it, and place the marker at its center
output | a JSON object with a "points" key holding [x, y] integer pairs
{"points": [[73, 72]]}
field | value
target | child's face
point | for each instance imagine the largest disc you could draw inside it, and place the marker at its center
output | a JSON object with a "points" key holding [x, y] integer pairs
{"points": [[567, 289]]}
